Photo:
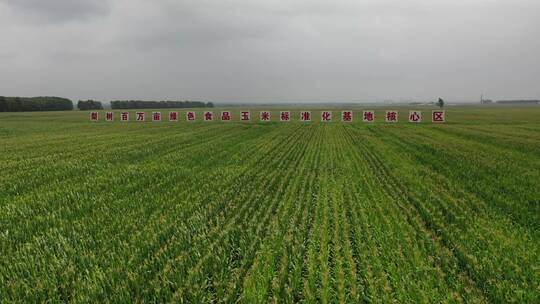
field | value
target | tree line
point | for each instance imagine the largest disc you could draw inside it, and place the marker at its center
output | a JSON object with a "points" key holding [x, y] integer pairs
{"points": [[89, 105], [52, 103], [139, 104], [41, 103], [519, 101]]}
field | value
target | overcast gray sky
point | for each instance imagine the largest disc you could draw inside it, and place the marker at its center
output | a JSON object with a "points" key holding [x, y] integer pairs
{"points": [[270, 50]]}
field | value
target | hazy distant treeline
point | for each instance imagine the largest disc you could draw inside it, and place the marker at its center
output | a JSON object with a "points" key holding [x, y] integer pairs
{"points": [[89, 105], [519, 101], [42, 103], [139, 104]]}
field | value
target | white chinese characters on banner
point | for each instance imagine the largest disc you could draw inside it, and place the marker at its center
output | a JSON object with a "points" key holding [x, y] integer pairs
{"points": [[139, 116], [156, 116]]}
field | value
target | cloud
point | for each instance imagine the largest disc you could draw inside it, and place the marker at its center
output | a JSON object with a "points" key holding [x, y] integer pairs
{"points": [[58, 11], [294, 50]]}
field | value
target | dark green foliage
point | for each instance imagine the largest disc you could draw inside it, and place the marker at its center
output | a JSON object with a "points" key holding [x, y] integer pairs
{"points": [[139, 104], [89, 105], [3, 104], [42, 103], [519, 101], [440, 103], [292, 212]]}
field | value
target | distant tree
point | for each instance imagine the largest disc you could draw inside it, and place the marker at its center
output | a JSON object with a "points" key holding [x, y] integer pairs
{"points": [[440, 103], [21, 104], [139, 104], [89, 105], [209, 104], [3, 104], [17, 104]]}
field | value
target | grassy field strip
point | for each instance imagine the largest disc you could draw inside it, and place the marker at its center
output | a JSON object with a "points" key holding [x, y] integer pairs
{"points": [[92, 148], [85, 160], [503, 134], [270, 260], [90, 213], [286, 213], [518, 282], [344, 267], [388, 248], [421, 240], [395, 190], [325, 279], [264, 267], [168, 227], [257, 202], [483, 178], [48, 199], [216, 229], [473, 205], [59, 168], [271, 212], [89, 142], [444, 260], [495, 142], [298, 262], [21, 147], [508, 197], [202, 217]]}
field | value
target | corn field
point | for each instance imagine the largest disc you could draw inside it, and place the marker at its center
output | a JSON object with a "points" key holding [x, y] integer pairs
{"points": [[271, 212]]}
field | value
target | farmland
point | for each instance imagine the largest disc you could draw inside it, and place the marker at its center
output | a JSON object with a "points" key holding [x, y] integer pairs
{"points": [[271, 212]]}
